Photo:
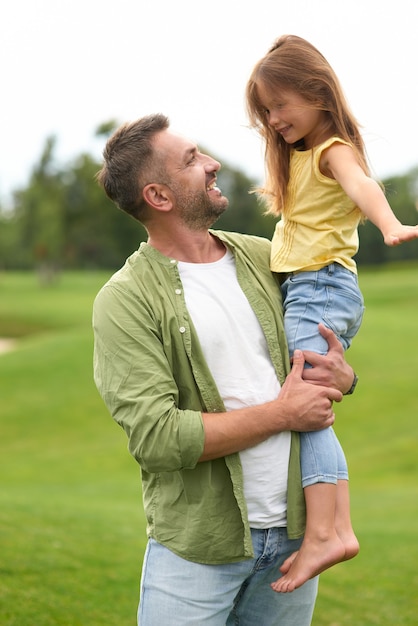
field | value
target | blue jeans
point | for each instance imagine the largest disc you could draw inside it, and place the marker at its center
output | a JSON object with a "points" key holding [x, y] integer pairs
{"points": [[176, 592], [332, 296]]}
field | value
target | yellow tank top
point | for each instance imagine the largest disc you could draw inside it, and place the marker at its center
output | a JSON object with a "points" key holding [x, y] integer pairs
{"points": [[319, 222]]}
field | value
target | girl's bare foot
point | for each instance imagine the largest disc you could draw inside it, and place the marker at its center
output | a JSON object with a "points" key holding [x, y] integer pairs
{"points": [[313, 558], [351, 544], [286, 565], [351, 547]]}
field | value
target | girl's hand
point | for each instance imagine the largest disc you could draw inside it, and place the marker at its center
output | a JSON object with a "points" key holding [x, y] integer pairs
{"points": [[401, 234]]}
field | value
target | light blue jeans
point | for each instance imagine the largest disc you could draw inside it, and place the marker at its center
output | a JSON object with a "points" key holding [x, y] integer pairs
{"points": [[176, 592], [332, 296]]}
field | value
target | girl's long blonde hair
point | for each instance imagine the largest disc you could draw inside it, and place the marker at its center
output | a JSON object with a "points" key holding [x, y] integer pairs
{"points": [[292, 63]]}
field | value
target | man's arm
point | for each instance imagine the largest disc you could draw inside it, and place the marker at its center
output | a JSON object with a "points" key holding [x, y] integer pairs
{"points": [[300, 406]]}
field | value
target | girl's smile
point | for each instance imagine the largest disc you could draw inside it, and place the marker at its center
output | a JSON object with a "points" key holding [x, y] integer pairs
{"points": [[292, 116]]}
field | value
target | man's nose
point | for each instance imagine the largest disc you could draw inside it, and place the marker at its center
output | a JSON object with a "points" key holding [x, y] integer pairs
{"points": [[212, 165]]}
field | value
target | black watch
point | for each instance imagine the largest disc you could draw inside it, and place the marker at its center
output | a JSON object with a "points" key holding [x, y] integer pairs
{"points": [[353, 386]]}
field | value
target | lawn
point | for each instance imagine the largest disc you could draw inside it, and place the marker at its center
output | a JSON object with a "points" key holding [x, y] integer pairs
{"points": [[72, 530]]}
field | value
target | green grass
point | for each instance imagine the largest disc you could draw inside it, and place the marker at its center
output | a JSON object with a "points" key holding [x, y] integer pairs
{"points": [[378, 428], [71, 525], [72, 530]]}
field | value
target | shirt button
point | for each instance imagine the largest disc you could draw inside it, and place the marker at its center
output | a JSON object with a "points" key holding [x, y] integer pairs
{"points": [[182, 329], [173, 261], [178, 292]]}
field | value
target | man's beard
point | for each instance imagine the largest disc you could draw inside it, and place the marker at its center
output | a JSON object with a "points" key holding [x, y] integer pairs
{"points": [[197, 209]]}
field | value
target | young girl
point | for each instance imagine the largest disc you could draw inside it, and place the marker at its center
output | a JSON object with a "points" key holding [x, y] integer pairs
{"points": [[318, 181]]}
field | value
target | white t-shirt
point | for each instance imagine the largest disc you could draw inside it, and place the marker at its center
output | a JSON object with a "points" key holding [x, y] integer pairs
{"points": [[236, 351]]}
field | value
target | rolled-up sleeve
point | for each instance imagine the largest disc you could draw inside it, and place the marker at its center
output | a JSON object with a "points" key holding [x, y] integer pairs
{"points": [[135, 375]]}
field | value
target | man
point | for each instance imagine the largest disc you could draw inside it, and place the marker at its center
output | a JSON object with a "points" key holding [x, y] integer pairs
{"points": [[191, 360]]}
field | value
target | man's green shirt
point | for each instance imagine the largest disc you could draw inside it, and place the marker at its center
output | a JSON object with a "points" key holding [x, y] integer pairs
{"points": [[150, 371]]}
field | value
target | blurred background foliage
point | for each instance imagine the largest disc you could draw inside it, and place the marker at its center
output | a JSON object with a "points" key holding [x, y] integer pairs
{"points": [[62, 220]]}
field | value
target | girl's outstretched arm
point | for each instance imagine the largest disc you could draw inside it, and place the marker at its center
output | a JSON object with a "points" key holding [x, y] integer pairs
{"points": [[339, 162]]}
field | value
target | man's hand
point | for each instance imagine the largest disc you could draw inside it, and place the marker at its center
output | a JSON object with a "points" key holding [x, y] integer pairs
{"points": [[330, 370], [300, 406], [307, 407]]}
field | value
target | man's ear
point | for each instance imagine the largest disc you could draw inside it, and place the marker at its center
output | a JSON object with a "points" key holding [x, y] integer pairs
{"points": [[158, 196]]}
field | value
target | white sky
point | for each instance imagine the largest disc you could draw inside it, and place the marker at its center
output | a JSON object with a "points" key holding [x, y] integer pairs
{"points": [[69, 65]]}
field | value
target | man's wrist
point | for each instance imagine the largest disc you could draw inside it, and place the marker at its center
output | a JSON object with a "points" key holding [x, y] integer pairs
{"points": [[353, 386]]}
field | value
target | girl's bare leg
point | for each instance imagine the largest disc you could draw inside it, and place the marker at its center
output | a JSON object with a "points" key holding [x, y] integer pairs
{"points": [[343, 521]]}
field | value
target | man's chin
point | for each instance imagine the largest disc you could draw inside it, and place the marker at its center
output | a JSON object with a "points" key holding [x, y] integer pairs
{"points": [[220, 210], [222, 205]]}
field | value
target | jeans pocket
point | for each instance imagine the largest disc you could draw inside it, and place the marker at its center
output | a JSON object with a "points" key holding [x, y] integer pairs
{"points": [[343, 313]]}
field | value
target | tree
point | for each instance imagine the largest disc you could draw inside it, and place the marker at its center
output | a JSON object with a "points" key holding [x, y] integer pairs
{"points": [[39, 210], [9, 239], [97, 233], [63, 220]]}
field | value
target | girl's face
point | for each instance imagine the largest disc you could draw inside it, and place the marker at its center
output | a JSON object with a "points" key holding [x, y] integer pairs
{"points": [[293, 117]]}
